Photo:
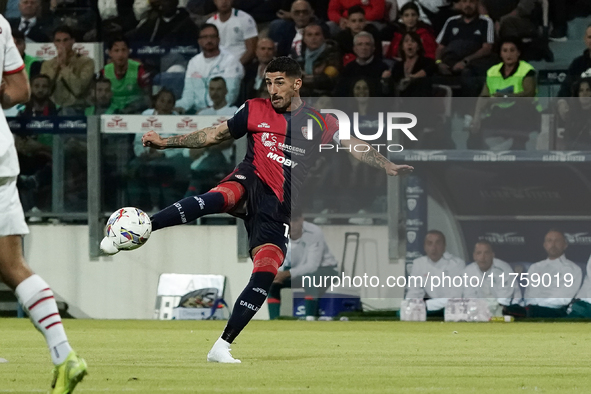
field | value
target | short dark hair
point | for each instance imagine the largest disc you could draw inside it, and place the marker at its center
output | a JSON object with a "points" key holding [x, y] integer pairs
{"points": [[577, 86], [207, 25], [113, 40], [284, 64], [411, 5], [325, 32], [511, 40], [101, 79], [40, 76], [216, 79], [356, 9], [484, 242], [436, 232], [64, 29], [18, 35], [160, 93]]}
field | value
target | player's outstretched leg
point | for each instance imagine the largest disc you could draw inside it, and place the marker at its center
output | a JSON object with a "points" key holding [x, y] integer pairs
{"points": [[37, 299], [222, 198], [266, 260]]}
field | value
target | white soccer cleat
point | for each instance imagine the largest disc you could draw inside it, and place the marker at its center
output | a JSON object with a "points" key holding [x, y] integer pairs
{"points": [[108, 246], [220, 353]]}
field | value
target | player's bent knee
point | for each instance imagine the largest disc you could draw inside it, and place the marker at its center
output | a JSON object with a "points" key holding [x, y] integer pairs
{"points": [[232, 192], [268, 258]]}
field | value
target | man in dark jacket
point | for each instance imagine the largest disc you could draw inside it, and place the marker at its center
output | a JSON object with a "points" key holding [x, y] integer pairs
{"points": [[579, 66], [30, 23]]}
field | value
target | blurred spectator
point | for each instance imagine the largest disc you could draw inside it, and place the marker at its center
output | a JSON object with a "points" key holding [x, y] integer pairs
{"points": [[356, 23], [102, 96], [129, 80], [118, 16], [465, 46], [172, 26], [412, 75], [433, 12], [409, 16], [436, 263], [375, 10], [575, 115], [238, 30], [514, 18], [78, 15], [365, 65], [30, 22], [70, 72], [496, 287], [580, 67], [158, 177], [287, 33], [506, 121], [582, 305], [552, 300], [40, 103], [254, 73], [211, 62], [217, 94], [321, 61], [32, 64], [9, 8]]}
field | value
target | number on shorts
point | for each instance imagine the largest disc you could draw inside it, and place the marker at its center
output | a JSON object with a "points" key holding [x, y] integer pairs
{"points": [[286, 234]]}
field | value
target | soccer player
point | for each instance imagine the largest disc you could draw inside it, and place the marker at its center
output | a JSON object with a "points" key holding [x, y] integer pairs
{"points": [[32, 291], [261, 189]]}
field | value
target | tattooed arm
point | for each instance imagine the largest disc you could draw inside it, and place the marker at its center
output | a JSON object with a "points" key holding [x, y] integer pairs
{"points": [[14, 89], [198, 139], [368, 155]]}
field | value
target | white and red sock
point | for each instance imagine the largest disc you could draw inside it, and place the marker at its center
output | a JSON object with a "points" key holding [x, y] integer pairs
{"points": [[36, 297]]}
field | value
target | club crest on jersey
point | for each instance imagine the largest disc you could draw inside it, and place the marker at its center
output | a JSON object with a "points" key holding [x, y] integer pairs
{"points": [[269, 141], [307, 132]]}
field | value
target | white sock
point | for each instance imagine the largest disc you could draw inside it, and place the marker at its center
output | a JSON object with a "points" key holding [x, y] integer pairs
{"points": [[37, 299]]}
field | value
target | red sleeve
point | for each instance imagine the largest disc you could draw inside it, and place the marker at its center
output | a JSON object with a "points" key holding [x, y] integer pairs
{"points": [[375, 10], [333, 127], [21, 68], [394, 46], [335, 11], [429, 43], [143, 78]]}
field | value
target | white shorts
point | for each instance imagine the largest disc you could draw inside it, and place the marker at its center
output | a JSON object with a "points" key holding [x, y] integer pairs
{"points": [[12, 218]]}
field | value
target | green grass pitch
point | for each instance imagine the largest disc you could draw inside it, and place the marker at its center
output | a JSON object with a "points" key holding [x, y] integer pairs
{"points": [[309, 357]]}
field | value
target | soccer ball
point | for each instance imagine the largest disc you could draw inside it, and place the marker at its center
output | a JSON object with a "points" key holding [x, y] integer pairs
{"points": [[128, 228]]}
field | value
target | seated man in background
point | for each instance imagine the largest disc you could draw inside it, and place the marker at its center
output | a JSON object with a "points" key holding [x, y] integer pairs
{"points": [[321, 62], [32, 64], [238, 31], [101, 96], [437, 262], [552, 300], [308, 256], [129, 80], [217, 94], [40, 104], [211, 62], [580, 67], [30, 23], [71, 73], [356, 23], [497, 289], [252, 85]]}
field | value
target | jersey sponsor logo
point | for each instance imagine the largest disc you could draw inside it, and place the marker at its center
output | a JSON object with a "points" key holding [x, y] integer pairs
{"points": [[117, 122], [282, 160], [264, 125], [186, 123], [240, 176], [152, 123], [478, 33], [291, 149], [455, 31], [269, 140]]}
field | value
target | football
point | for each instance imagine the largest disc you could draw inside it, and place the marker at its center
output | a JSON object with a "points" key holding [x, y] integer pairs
{"points": [[128, 228]]}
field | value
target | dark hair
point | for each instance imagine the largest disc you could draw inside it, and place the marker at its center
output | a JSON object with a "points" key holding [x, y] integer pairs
{"points": [[215, 79], [373, 89], [577, 86], [284, 64], [64, 29], [160, 93], [211, 25], [411, 5], [436, 232], [484, 242], [39, 76], [116, 39], [325, 33], [356, 9], [511, 40], [101, 79], [416, 38], [18, 35]]}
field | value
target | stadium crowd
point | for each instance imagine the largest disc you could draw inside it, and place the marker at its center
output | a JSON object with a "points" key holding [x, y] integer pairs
{"points": [[208, 56]]}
